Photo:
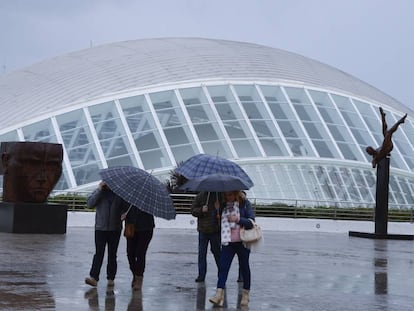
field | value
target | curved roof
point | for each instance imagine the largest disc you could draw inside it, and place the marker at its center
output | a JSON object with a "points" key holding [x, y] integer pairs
{"points": [[87, 74]]}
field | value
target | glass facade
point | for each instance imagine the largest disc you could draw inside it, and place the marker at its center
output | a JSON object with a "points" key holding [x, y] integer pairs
{"points": [[295, 142]]}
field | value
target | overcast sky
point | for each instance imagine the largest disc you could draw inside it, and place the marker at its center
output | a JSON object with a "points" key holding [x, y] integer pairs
{"points": [[370, 39]]}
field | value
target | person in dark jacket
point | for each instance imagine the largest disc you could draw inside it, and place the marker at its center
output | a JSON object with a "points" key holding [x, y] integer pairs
{"points": [[137, 245], [108, 226], [206, 207]]}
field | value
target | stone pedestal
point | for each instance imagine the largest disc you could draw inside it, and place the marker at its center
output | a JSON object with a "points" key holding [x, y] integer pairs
{"points": [[33, 218]]}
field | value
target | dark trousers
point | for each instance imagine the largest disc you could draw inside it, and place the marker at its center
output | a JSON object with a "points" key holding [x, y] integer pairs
{"points": [[203, 239], [103, 238], [226, 258], [137, 251]]}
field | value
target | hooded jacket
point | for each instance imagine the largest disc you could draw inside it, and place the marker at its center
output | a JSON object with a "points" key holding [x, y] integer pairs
{"points": [[109, 208]]}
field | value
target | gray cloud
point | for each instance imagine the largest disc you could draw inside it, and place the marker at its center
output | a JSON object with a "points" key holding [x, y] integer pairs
{"points": [[370, 39]]}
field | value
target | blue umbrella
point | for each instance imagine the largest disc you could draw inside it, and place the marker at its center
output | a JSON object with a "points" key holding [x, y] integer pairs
{"points": [[202, 164], [141, 189], [215, 183]]}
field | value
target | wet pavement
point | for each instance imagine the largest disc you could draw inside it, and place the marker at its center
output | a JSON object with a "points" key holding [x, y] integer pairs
{"points": [[293, 271]]}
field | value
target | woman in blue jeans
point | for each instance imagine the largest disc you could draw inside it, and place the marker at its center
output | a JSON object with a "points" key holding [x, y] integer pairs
{"points": [[235, 214]]}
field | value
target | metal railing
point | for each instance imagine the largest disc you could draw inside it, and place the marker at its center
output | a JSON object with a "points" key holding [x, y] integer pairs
{"points": [[272, 208]]}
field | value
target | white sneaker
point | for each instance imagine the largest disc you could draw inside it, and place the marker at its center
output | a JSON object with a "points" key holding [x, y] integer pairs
{"points": [[91, 281]]}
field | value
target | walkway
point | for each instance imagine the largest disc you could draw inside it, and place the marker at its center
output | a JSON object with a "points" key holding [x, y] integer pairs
{"points": [[295, 271]]}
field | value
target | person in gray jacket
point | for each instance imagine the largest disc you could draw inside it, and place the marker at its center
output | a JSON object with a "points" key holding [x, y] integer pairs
{"points": [[108, 227]]}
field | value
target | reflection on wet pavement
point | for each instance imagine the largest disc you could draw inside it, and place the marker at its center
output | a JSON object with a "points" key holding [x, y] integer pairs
{"points": [[294, 271]]}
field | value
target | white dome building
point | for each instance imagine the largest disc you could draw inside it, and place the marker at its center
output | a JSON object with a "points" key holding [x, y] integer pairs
{"points": [[298, 127]]}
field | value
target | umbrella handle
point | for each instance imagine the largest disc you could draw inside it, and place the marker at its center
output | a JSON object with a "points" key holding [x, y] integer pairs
{"points": [[123, 216], [208, 197], [126, 213]]}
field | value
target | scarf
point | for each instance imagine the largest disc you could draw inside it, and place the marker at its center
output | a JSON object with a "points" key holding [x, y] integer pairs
{"points": [[232, 208]]}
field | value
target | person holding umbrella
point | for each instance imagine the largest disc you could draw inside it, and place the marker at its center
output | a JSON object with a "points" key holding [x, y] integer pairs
{"points": [[206, 208], [147, 197], [235, 214], [137, 245], [108, 226]]}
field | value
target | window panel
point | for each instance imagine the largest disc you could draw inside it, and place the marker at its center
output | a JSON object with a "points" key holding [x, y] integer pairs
{"points": [[204, 121], [234, 129], [313, 131], [145, 133], [323, 149], [206, 132], [40, 131], [288, 129], [339, 186], [312, 123], [233, 121], [395, 191], [10, 136], [297, 95], [173, 122], [336, 126], [176, 136], [349, 183], [326, 115], [408, 194], [337, 132], [181, 153], [216, 147], [325, 183], [111, 133], [355, 124], [79, 146], [347, 152], [371, 119], [273, 147], [299, 147], [408, 129], [303, 113], [154, 158], [362, 186]]}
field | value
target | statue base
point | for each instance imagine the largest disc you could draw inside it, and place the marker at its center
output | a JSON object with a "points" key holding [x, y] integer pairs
{"points": [[33, 218], [386, 236]]}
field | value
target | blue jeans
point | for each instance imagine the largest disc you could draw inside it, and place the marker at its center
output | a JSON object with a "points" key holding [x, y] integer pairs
{"points": [[226, 258], [103, 238], [203, 239]]}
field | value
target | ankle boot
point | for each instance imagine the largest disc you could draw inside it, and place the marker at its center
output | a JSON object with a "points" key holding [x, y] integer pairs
{"points": [[245, 297], [138, 282], [218, 298]]}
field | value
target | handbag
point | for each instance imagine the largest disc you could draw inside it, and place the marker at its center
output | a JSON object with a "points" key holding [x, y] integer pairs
{"points": [[129, 230], [251, 235]]}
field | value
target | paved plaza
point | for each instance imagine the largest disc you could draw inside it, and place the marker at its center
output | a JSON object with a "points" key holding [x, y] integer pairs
{"points": [[293, 271]]}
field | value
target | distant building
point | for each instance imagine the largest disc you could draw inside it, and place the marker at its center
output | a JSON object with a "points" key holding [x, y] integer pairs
{"points": [[298, 127]]}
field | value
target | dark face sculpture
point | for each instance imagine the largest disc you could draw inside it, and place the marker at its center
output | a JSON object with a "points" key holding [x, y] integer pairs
{"points": [[31, 170]]}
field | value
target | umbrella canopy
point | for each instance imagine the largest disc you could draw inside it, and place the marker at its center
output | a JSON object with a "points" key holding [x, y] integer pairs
{"points": [[202, 164], [215, 183], [140, 189]]}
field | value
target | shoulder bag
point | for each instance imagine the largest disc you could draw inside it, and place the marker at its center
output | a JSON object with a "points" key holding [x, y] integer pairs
{"points": [[129, 230], [252, 235]]}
